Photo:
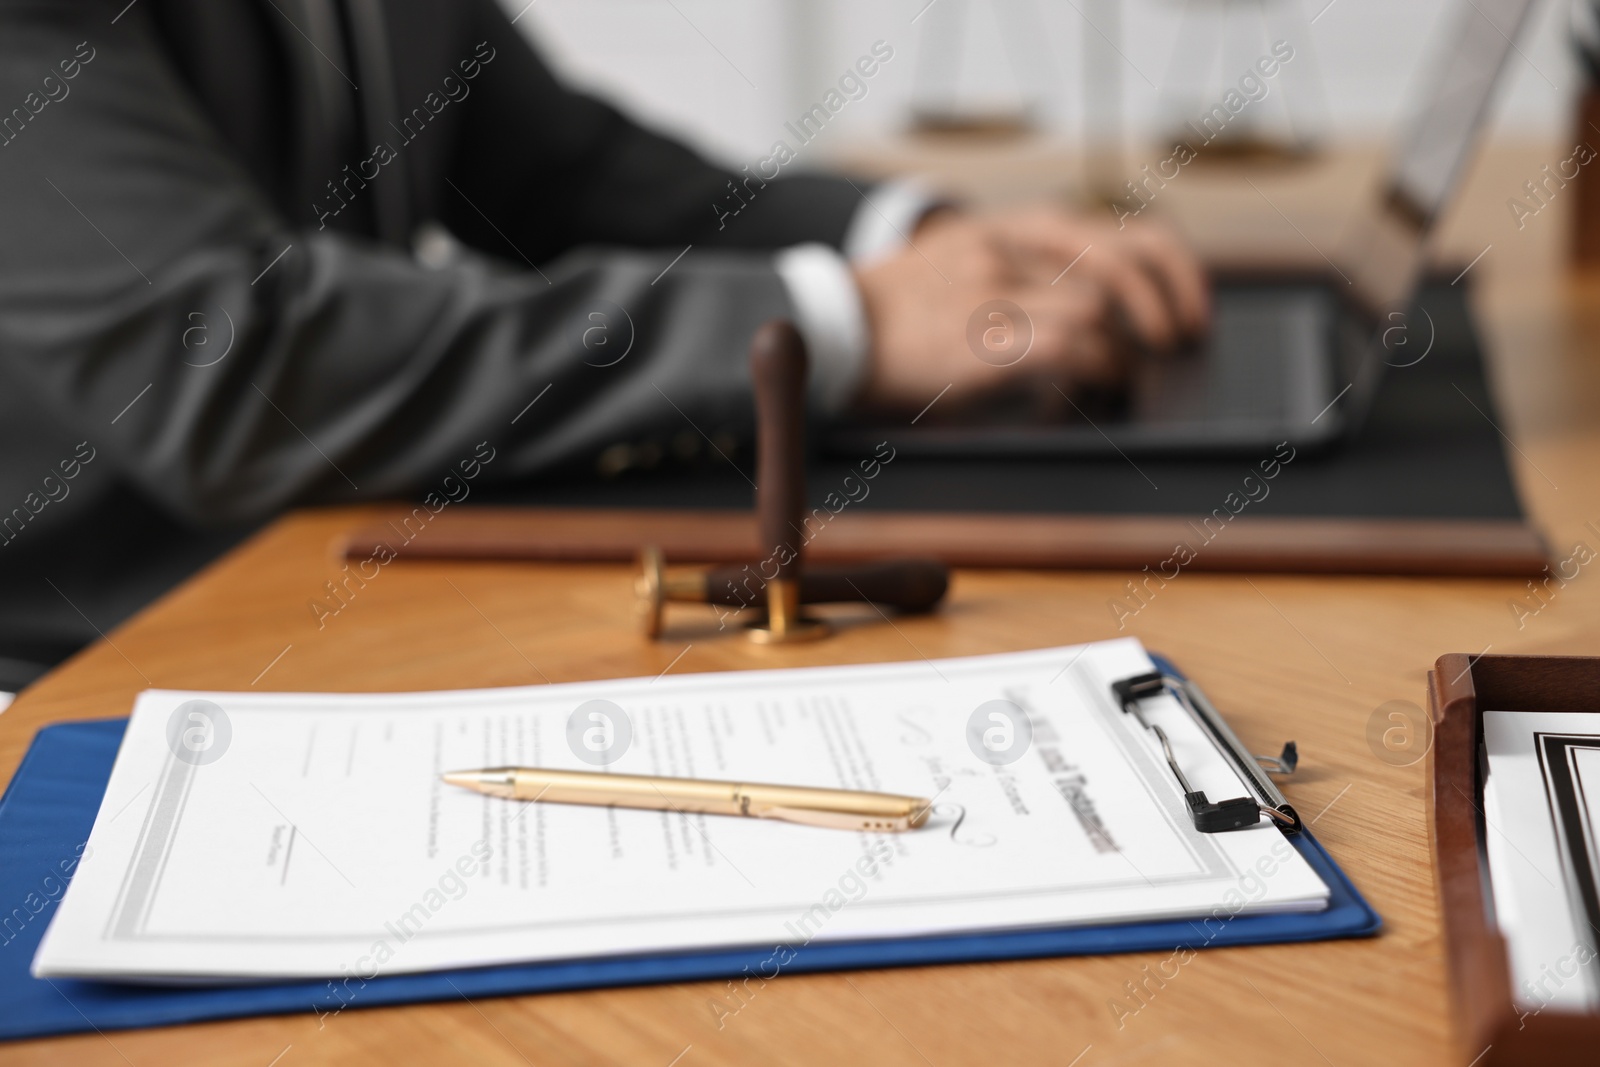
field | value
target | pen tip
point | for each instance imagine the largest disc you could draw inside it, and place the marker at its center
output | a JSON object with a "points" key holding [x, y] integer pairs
{"points": [[919, 814], [495, 781]]}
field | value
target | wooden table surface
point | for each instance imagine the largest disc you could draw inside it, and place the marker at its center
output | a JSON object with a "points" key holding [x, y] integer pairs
{"points": [[1314, 659]]}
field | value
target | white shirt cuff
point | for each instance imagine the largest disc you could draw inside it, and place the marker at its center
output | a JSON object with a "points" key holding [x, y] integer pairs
{"points": [[886, 217], [831, 320], [828, 310]]}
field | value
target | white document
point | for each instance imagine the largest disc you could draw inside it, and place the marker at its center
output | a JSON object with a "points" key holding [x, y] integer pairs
{"points": [[310, 835], [1542, 806]]}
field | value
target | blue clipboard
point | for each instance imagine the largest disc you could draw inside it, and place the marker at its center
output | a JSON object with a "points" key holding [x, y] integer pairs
{"points": [[50, 806]]}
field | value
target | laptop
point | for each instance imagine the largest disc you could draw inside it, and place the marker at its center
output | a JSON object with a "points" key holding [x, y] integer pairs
{"points": [[1290, 357]]}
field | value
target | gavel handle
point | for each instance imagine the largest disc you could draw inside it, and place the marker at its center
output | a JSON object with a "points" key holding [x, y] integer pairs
{"points": [[912, 585], [778, 367]]}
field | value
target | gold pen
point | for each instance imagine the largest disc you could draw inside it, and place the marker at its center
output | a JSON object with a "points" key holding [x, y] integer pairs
{"points": [[837, 809]]}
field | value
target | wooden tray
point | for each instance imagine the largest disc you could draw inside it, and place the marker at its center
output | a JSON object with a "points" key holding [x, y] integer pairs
{"points": [[1460, 688]]}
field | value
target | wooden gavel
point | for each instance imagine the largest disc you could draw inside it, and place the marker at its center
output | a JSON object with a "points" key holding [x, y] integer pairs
{"points": [[782, 582]]}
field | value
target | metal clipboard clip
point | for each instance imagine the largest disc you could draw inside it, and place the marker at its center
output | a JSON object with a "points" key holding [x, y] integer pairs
{"points": [[1209, 817]]}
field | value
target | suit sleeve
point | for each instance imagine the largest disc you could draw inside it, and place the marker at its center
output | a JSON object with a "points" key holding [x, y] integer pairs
{"points": [[562, 166], [152, 298]]}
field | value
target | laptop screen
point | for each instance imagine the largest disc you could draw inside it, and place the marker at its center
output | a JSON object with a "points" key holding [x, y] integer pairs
{"points": [[1432, 154]]}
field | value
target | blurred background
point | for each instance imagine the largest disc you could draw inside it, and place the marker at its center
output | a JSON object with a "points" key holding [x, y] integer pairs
{"points": [[728, 73], [1001, 100]]}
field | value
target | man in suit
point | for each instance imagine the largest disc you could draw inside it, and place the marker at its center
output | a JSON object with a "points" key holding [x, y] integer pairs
{"points": [[265, 252]]}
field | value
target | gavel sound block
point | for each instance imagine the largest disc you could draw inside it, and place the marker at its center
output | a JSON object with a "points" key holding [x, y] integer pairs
{"points": [[780, 583]]}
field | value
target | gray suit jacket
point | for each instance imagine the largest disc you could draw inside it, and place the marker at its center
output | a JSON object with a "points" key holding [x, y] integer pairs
{"points": [[210, 309]]}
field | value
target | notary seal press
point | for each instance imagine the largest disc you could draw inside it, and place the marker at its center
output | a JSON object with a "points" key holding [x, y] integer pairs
{"points": [[780, 583]]}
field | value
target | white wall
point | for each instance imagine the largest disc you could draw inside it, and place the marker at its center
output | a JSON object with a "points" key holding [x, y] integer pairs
{"points": [[728, 73]]}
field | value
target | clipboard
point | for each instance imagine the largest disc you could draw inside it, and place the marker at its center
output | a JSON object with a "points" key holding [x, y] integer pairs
{"points": [[50, 806], [1460, 689]]}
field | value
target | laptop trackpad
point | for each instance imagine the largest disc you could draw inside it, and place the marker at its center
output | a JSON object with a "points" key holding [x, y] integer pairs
{"points": [[1267, 360]]}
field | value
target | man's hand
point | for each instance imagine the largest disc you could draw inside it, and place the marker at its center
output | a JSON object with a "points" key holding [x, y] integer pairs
{"points": [[1021, 300]]}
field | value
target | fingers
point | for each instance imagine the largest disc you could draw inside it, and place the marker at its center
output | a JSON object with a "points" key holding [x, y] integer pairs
{"points": [[1154, 277], [1149, 310], [984, 309], [1180, 273], [1074, 334]]}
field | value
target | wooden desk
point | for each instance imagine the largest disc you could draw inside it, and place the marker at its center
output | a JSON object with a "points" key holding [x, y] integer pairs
{"points": [[1308, 658]]}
